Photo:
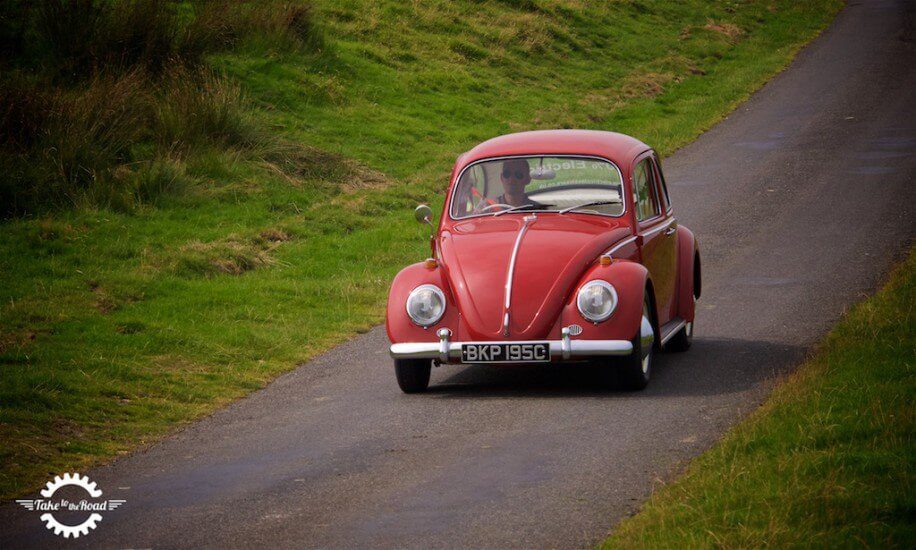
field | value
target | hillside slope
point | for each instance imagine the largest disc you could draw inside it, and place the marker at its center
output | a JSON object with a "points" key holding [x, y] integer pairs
{"points": [[119, 323]]}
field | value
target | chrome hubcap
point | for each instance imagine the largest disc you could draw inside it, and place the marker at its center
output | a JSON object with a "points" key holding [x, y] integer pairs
{"points": [[647, 339]]}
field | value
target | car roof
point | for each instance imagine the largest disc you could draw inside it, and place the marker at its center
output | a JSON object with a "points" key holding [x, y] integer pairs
{"points": [[619, 148]]}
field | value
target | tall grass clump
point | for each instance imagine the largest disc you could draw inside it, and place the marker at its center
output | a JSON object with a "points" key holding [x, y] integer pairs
{"points": [[95, 93], [82, 37], [65, 147], [200, 109], [59, 143], [228, 24]]}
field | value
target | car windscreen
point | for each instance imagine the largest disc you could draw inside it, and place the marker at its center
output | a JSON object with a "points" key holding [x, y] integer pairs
{"points": [[538, 183]]}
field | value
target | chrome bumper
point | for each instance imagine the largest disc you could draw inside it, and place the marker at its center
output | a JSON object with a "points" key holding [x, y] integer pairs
{"points": [[447, 351]]}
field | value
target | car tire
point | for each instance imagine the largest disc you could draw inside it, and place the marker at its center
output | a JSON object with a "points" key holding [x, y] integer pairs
{"points": [[412, 374], [681, 341], [636, 368]]}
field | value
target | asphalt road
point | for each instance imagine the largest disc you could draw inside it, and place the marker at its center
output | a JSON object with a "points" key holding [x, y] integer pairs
{"points": [[801, 200]]}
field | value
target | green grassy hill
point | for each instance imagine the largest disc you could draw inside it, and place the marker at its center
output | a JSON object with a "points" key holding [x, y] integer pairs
{"points": [[195, 208], [828, 461]]}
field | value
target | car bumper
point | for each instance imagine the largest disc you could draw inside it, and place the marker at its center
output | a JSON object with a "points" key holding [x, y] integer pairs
{"points": [[446, 351]]}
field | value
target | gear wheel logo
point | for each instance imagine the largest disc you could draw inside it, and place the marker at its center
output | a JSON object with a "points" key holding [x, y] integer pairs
{"points": [[75, 479], [49, 504]]}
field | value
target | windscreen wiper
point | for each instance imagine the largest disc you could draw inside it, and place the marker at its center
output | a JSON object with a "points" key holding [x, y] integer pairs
{"points": [[513, 209], [584, 204]]}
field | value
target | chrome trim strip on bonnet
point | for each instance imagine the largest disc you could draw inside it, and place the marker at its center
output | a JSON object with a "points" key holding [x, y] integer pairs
{"points": [[528, 220]]}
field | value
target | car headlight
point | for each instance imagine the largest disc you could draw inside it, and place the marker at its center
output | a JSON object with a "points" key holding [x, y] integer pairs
{"points": [[597, 300], [426, 305]]}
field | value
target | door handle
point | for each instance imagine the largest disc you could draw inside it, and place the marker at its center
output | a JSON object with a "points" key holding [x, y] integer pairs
{"points": [[670, 231]]}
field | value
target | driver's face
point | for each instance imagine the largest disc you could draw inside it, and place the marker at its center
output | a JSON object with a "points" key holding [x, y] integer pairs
{"points": [[515, 176]]}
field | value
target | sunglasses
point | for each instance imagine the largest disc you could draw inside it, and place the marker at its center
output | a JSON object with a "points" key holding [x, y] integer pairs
{"points": [[519, 174]]}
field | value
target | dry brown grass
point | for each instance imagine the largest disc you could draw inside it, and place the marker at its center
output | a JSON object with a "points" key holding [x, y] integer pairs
{"points": [[729, 30], [640, 85], [232, 255]]}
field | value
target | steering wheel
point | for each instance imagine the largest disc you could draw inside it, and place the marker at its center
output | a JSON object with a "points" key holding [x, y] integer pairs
{"points": [[488, 207]]}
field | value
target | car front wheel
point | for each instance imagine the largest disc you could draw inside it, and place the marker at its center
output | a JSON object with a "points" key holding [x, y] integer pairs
{"points": [[636, 369], [412, 374]]}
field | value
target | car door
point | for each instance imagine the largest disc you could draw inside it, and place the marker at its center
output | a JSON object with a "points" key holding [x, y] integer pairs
{"points": [[657, 234]]}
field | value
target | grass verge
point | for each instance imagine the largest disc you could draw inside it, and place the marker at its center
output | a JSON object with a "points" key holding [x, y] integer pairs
{"points": [[827, 461], [116, 325]]}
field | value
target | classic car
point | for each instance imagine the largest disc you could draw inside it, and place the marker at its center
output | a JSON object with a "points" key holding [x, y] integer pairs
{"points": [[555, 246]]}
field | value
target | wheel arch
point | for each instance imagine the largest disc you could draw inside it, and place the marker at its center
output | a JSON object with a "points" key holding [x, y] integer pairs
{"points": [[629, 279], [398, 325], [688, 273]]}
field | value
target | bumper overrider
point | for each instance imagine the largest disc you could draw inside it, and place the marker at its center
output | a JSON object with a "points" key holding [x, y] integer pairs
{"points": [[447, 351]]}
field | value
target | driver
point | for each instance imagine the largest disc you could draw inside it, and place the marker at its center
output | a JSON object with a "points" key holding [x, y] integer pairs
{"points": [[515, 176]]}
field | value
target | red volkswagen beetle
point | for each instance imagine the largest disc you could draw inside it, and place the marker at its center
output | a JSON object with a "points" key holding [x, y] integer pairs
{"points": [[553, 246]]}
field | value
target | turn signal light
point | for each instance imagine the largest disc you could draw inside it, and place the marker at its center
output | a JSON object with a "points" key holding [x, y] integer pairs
{"points": [[432, 263], [605, 260]]}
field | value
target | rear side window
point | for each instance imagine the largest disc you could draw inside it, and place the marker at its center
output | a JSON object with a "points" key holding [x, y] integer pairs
{"points": [[647, 205], [661, 179]]}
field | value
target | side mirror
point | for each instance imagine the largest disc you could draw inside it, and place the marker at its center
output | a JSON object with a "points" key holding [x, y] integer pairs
{"points": [[423, 214]]}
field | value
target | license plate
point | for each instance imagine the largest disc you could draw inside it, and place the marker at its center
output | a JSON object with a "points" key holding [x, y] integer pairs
{"points": [[505, 353]]}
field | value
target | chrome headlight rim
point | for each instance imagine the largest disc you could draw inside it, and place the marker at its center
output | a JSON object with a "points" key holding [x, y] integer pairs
{"points": [[438, 292], [614, 300]]}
